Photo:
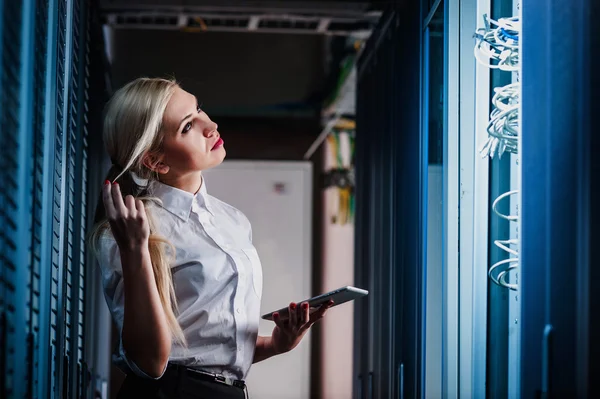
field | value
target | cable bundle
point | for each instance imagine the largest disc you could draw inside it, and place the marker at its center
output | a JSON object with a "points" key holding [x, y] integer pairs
{"points": [[499, 45], [498, 48], [503, 128]]}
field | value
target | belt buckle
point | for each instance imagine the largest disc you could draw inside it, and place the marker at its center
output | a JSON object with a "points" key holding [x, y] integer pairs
{"points": [[223, 379]]}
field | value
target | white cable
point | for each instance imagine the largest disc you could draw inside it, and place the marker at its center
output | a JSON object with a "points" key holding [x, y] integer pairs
{"points": [[505, 245], [501, 130], [511, 24], [507, 96], [499, 45], [507, 59], [501, 279], [511, 218], [498, 48], [503, 127]]}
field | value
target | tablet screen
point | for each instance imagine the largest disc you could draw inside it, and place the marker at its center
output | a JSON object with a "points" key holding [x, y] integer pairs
{"points": [[339, 296]]}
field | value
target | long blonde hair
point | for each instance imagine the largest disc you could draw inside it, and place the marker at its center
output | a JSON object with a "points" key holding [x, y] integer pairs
{"points": [[132, 128]]}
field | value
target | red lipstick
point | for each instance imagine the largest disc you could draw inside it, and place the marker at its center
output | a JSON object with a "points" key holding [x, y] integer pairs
{"points": [[218, 144]]}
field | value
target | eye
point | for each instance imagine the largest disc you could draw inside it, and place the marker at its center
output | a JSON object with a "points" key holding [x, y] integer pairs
{"points": [[187, 127]]}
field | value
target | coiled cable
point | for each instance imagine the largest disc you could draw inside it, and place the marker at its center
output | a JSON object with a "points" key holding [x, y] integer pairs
{"points": [[498, 48]]}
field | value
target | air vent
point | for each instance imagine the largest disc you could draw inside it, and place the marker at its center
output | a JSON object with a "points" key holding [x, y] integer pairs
{"points": [[341, 26], [310, 24], [287, 24]]}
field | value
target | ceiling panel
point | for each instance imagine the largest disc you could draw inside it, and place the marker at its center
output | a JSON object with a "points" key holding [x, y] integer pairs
{"points": [[341, 18], [341, 7]]}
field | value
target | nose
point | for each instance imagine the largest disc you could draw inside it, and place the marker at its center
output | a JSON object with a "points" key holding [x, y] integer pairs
{"points": [[211, 129]]}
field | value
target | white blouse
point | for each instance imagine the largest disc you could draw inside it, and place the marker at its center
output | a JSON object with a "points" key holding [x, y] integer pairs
{"points": [[217, 277]]}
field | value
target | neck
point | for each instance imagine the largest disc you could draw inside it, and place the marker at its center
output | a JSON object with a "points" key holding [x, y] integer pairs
{"points": [[190, 182]]}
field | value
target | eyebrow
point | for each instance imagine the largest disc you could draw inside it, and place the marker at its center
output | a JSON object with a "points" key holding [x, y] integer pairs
{"points": [[187, 116]]}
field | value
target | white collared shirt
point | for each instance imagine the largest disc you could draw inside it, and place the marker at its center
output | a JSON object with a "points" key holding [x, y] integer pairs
{"points": [[217, 277]]}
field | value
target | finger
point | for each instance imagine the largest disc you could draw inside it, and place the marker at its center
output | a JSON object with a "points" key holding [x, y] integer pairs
{"points": [[293, 314], [140, 209], [130, 205], [118, 199], [277, 320], [304, 313], [321, 311], [109, 206], [139, 206]]}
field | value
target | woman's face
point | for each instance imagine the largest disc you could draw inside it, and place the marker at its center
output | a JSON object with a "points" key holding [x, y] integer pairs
{"points": [[192, 142]]}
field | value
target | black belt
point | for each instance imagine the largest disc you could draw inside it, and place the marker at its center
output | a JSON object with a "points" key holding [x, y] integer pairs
{"points": [[206, 376]]}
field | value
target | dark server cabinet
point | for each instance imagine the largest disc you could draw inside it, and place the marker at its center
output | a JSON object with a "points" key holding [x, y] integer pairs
{"points": [[389, 216], [560, 196], [44, 112]]}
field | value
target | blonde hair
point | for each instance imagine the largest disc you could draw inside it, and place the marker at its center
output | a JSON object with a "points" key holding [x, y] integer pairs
{"points": [[133, 127]]}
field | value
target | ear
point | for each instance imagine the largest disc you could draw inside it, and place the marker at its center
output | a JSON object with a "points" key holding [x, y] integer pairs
{"points": [[155, 163]]}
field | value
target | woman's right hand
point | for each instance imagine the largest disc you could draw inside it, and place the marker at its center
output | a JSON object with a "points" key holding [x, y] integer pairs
{"points": [[127, 219]]}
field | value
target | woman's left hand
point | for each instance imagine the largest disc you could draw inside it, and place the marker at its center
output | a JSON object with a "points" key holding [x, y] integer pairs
{"points": [[287, 334]]}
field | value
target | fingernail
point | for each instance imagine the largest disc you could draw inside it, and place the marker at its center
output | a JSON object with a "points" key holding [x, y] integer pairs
{"points": [[115, 183], [305, 306], [106, 182], [275, 315], [293, 306]]}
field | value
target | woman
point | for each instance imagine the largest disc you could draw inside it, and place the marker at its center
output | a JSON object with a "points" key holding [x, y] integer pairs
{"points": [[181, 277]]}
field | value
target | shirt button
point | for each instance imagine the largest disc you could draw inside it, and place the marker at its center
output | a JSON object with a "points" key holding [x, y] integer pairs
{"points": [[239, 310]]}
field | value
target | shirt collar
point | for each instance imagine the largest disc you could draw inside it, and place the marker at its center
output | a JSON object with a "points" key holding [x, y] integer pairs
{"points": [[202, 196], [179, 202]]}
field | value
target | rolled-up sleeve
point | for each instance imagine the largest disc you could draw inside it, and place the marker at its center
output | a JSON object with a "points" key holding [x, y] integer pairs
{"points": [[109, 260]]}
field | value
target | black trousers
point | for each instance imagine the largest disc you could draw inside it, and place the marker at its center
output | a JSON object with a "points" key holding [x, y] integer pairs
{"points": [[176, 385]]}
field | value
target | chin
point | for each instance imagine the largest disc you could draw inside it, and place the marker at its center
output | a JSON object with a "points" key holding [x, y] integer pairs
{"points": [[222, 154], [218, 160]]}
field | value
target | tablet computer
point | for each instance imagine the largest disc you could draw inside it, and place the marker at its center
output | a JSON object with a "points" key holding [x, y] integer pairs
{"points": [[339, 296]]}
